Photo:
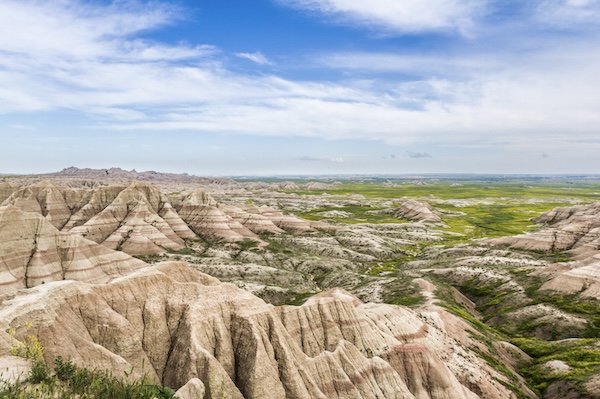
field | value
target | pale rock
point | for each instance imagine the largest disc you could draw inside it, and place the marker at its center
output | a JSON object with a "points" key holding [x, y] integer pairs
{"points": [[14, 369], [251, 220], [34, 252], [193, 389], [128, 218], [176, 325], [416, 210], [575, 229], [44, 198]]}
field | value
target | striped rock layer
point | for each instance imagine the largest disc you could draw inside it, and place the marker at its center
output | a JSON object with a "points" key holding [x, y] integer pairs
{"points": [[573, 229], [140, 220], [180, 327]]}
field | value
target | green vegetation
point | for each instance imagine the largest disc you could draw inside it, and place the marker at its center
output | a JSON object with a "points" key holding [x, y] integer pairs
{"points": [[358, 214], [581, 355], [402, 291], [473, 288], [492, 220], [559, 191], [70, 381], [275, 246], [245, 245], [572, 303], [183, 251], [473, 209], [299, 299]]}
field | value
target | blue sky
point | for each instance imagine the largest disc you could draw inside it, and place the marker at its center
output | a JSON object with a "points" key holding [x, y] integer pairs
{"points": [[268, 87]]}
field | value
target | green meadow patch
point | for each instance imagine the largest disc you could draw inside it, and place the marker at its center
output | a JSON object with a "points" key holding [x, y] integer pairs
{"points": [[356, 214], [454, 189]]}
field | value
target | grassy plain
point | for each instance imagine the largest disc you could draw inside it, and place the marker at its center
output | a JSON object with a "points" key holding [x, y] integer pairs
{"points": [[474, 209]]}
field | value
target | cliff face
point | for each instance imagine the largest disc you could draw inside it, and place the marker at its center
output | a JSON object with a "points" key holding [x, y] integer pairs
{"points": [[177, 324]]}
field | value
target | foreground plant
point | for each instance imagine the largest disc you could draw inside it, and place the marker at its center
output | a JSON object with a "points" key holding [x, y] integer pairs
{"points": [[71, 381]]}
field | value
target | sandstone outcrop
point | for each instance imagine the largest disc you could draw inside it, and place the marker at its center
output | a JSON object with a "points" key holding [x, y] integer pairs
{"points": [[178, 325], [6, 189], [289, 223], [201, 213], [140, 220], [34, 252], [576, 230], [416, 211], [249, 216], [137, 219]]}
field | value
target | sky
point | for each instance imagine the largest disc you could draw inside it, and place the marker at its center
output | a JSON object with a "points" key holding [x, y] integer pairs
{"points": [[282, 87]]}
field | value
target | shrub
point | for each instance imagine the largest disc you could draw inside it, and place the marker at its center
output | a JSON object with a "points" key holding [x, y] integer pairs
{"points": [[64, 369]]}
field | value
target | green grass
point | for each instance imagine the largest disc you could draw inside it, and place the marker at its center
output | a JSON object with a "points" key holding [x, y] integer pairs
{"points": [[492, 220], [583, 356], [383, 268], [473, 288], [505, 208], [402, 291], [71, 381], [299, 299], [589, 191], [572, 303], [359, 215]]}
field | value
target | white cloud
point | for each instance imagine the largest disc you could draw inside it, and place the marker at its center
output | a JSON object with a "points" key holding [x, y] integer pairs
{"points": [[550, 95], [257, 57], [571, 14], [399, 16], [70, 29]]}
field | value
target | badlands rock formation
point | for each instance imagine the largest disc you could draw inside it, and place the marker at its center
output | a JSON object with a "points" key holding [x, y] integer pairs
{"points": [[34, 252], [118, 174], [179, 325], [576, 230], [190, 331], [137, 218], [416, 210], [140, 220]]}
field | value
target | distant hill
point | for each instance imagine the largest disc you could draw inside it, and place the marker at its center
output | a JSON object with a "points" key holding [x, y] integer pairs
{"points": [[121, 174]]}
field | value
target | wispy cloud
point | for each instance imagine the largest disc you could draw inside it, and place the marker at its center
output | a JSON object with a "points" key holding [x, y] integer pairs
{"points": [[256, 57], [398, 16]]}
